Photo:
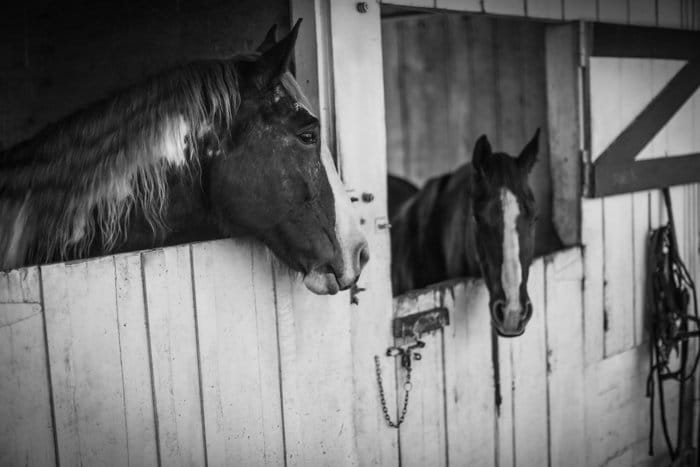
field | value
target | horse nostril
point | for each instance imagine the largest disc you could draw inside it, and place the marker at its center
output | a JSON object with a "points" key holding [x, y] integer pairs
{"points": [[362, 256], [497, 311], [528, 312]]}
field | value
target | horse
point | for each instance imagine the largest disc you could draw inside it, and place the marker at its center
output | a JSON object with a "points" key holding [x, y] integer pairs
{"points": [[212, 148], [477, 221]]}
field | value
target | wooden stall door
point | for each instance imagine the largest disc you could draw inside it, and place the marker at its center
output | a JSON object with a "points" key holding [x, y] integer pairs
{"points": [[481, 400]]}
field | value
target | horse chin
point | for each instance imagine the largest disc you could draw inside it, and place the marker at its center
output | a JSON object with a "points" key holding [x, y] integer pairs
{"points": [[321, 283]]}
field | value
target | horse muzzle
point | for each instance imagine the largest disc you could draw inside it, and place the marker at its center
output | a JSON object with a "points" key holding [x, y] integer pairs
{"points": [[331, 278], [510, 322]]}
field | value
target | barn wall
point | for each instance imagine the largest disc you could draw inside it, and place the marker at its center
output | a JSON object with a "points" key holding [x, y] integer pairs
{"points": [[58, 57], [448, 79], [213, 354], [614, 230]]}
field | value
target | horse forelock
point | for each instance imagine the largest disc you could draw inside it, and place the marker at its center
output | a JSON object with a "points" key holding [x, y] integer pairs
{"points": [[80, 177]]}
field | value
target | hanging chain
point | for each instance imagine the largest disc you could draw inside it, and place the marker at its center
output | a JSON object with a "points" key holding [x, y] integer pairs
{"points": [[382, 398]]}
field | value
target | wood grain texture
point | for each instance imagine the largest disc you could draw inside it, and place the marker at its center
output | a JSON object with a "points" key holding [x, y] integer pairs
{"points": [[469, 382], [564, 124], [564, 274], [360, 122], [134, 355], [85, 362], [423, 437], [237, 330], [530, 405], [26, 425], [173, 346]]}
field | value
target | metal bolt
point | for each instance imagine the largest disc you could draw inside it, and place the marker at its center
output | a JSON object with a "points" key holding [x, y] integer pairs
{"points": [[362, 7], [367, 197]]}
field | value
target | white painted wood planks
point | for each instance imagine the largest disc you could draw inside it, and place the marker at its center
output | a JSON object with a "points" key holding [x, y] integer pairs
{"points": [[26, 426]]}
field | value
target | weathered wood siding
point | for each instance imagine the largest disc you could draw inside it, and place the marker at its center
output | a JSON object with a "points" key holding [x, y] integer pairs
{"points": [[448, 79], [615, 233], [211, 353], [614, 418]]}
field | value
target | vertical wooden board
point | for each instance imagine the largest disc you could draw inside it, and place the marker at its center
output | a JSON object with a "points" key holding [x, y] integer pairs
{"points": [[661, 73], [237, 329], [640, 235], [422, 436], [316, 368], [680, 218], [594, 316], [532, 108], [360, 330], [530, 419], [680, 130], [134, 353], [696, 116], [482, 65], [173, 346], [546, 9], [505, 426], [26, 425], [460, 40], [644, 93], [564, 128], [85, 362], [510, 136], [505, 7], [580, 9], [642, 12], [619, 274], [669, 14], [425, 55], [469, 384], [289, 381], [395, 134], [563, 275], [613, 11], [605, 101]]}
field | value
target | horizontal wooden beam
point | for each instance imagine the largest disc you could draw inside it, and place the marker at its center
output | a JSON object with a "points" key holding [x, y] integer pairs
{"points": [[655, 115], [613, 40], [647, 174]]}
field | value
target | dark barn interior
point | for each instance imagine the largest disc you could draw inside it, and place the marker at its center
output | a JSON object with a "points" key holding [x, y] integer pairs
{"points": [[57, 57]]}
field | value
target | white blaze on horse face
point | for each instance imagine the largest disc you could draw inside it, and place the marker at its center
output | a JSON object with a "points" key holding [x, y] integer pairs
{"points": [[347, 232], [511, 270]]}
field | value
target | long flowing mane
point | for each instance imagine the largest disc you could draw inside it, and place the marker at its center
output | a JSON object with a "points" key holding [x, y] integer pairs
{"points": [[82, 175]]}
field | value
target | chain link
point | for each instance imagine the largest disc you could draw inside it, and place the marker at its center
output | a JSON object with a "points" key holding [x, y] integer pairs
{"points": [[407, 390]]}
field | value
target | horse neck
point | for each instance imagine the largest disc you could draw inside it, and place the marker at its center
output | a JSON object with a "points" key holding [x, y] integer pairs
{"points": [[458, 242], [186, 217]]}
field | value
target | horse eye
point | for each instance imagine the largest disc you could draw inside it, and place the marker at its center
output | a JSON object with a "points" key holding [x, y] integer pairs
{"points": [[307, 137]]}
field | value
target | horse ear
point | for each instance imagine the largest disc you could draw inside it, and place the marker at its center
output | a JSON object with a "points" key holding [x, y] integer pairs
{"points": [[269, 41], [275, 61], [528, 156], [482, 150]]}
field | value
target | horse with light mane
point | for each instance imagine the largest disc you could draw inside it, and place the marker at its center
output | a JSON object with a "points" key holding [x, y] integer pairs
{"points": [[477, 221], [223, 147]]}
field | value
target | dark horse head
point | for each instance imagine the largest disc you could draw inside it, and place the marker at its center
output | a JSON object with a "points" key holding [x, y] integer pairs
{"points": [[476, 221], [228, 147], [504, 211]]}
